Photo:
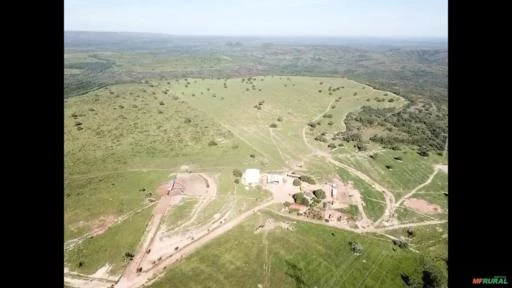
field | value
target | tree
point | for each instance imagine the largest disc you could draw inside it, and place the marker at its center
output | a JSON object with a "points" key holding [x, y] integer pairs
{"points": [[237, 173], [296, 182], [307, 179], [432, 276], [319, 193], [237, 181], [300, 199]]}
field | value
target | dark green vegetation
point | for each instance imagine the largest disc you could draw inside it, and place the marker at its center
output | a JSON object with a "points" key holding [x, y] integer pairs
{"points": [[402, 68], [309, 256]]}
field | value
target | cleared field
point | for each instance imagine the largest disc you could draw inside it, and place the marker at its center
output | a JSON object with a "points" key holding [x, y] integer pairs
{"points": [[406, 169], [109, 247], [310, 255], [374, 200]]}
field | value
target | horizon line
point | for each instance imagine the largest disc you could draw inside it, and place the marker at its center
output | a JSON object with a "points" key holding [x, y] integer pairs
{"points": [[261, 35]]}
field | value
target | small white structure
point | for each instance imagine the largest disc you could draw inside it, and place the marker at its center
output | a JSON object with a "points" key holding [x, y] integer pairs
{"points": [[274, 179], [251, 177]]}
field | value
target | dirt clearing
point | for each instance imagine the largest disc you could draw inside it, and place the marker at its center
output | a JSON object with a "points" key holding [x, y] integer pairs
{"points": [[271, 224], [422, 206]]}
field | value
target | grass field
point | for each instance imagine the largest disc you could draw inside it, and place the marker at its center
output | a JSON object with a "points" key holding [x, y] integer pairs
{"points": [[310, 256], [282, 98], [434, 193], [430, 240], [404, 175], [373, 199], [110, 246], [89, 198], [179, 213]]}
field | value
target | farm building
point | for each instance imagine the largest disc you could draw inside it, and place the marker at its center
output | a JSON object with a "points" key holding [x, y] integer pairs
{"points": [[274, 179], [251, 177]]}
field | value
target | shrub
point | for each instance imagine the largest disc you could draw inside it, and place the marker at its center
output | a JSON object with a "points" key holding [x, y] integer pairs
{"points": [[237, 181], [330, 123], [212, 143], [355, 93], [252, 156], [296, 182], [319, 91], [355, 247], [162, 102], [273, 125], [327, 116], [331, 146], [361, 147], [280, 119]]}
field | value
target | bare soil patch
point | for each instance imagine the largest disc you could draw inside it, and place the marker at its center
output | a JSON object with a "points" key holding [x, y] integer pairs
{"points": [[422, 206], [102, 224], [270, 224], [443, 168]]}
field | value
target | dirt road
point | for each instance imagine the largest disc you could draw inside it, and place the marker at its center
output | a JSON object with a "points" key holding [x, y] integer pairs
{"points": [[416, 189], [388, 196], [141, 278], [434, 222]]}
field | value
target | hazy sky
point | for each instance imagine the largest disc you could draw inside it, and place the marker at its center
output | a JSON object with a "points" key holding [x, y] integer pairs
{"points": [[383, 18]]}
